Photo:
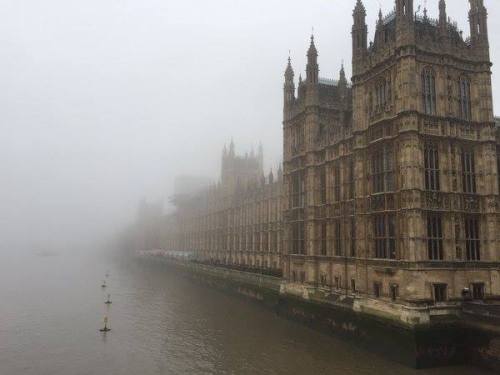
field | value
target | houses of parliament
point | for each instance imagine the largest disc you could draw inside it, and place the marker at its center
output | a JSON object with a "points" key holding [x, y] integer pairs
{"points": [[389, 188]]}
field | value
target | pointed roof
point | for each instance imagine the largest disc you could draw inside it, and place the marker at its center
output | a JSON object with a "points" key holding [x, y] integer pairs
{"points": [[313, 52], [289, 73], [359, 8]]}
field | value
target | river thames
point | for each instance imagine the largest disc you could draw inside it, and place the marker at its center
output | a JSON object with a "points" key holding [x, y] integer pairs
{"points": [[52, 306]]}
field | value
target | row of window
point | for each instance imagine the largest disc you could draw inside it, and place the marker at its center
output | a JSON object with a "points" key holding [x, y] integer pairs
{"points": [[382, 175], [382, 95], [429, 94], [432, 171], [385, 237], [384, 230], [336, 183], [439, 290], [337, 238]]}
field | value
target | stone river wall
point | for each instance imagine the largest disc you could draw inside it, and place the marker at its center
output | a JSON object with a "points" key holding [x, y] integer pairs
{"points": [[432, 345]]}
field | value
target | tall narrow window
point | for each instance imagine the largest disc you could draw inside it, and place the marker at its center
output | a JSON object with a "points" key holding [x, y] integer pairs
{"points": [[434, 237], [498, 167], [336, 182], [472, 241], [440, 292], [323, 244], [385, 237], [429, 91], [468, 172], [431, 159], [465, 100], [322, 185], [478, 291], [338, 239], [381, 95], [351, 186], [394, 292], [382, 170], [297, 194], [353, 237]]}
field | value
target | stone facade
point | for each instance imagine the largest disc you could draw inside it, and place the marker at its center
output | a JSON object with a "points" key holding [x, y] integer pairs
{"points": [[390, 186], [236, 222]]}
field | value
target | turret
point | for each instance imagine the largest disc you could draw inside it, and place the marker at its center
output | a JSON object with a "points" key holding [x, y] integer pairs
{"points": [[404, 11], [359, 35], [478, 19], [405, 26], [443, 23], [312, 64]]}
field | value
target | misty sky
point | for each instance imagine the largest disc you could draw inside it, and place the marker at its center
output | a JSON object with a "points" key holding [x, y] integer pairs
{"points": [[103, 102]]}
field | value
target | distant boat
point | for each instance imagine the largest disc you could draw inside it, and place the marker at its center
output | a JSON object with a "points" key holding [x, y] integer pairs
{"points": [[103, 284], [108, 302]]}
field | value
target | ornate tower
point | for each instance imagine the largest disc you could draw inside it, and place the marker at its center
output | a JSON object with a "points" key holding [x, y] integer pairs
{"points": [[359, 35], [422, 109]]}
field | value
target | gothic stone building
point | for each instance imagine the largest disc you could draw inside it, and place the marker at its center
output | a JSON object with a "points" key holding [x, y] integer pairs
{"points": [[236, 222], [392, 185]]}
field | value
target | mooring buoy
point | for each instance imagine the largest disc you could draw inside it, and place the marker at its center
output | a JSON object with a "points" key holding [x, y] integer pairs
{"points": [[105, 328]]}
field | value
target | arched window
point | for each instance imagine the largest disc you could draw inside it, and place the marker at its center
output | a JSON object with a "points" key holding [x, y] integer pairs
{"points": [[429, 91], [464, 95], [381, 95]]}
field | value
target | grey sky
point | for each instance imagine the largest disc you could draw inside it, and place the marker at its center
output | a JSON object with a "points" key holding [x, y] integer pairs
{"points": [[104, 101]]}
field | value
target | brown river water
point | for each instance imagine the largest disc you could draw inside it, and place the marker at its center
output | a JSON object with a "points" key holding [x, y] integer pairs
{"points": [[52, 306]]}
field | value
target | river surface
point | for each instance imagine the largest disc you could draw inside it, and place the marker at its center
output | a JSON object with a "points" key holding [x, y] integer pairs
{"points": [[52, 306]]}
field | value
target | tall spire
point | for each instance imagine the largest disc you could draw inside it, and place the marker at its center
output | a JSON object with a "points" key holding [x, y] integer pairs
{"points": [[289, 73], [312, 63], [289, 87], [313, 52], [359, 12]]}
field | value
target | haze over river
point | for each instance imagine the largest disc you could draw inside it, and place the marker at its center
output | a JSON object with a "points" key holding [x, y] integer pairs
{"points": [[52, 306]]}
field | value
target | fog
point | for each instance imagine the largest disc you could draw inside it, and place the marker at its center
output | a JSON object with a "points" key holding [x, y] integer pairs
{"points": [[104, 102]]}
